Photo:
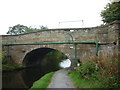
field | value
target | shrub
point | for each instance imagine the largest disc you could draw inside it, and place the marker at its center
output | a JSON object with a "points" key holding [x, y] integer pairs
{"points": [[87, 69], [109, 74], [103, 69]]}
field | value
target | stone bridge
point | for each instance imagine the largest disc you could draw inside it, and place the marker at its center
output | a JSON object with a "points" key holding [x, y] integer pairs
{"points": [[74, 42]]}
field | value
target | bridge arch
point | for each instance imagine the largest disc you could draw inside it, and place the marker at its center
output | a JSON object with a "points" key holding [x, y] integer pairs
{"points": [[36, 56]]}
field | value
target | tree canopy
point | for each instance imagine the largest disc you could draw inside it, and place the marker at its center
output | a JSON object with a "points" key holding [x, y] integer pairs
{"points": [[20, 29], [17, 29], [111, 12]]}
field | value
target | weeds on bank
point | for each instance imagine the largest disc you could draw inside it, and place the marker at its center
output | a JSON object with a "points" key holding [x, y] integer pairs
{"points": [[97, 72], [10, 66], [43, 82]]}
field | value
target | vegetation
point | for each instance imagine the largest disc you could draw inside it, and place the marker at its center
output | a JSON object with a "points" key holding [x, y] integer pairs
{"points": [[3, 57], [17, 29], [10, 66], [111, 12], [6, 64], [81, 82], [58, 57], [20, 29], [97, 72], [44, 81], [0, 60]]}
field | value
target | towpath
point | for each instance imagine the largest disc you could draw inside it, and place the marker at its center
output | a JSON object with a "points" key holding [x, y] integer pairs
{"points": [[61, 80]]}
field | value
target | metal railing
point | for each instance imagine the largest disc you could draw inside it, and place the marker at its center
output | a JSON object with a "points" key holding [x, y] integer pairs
{"points": [[71, 42]]}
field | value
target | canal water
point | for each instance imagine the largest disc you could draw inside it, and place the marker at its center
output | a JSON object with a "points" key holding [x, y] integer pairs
{"points": [[21, 79], [26, 77]]}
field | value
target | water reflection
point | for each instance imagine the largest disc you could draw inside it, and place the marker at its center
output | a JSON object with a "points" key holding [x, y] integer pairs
{"points": [[12, 80], [25, 78]]}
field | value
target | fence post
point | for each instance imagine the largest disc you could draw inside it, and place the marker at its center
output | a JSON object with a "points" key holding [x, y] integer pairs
{"points": [[75, 51]]}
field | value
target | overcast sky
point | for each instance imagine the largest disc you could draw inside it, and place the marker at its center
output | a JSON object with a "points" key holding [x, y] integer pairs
{"points": [[50, 12]]}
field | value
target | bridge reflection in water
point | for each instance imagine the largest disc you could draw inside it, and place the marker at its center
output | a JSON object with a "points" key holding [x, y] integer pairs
{"points": [[25, 78]]}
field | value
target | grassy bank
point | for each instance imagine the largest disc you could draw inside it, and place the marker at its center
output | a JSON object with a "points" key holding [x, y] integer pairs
{"points": [[10, 66], [97, 72], [81, 82], [44, 81]]}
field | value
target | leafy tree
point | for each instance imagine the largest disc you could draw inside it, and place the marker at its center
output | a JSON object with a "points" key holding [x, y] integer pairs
{"points": [[30, 29], [17, 29], [111, 12], [20, 29], [43, 27]]}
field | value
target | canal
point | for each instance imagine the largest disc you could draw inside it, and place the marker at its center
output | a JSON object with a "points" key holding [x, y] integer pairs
{"points": [[26, 77]]}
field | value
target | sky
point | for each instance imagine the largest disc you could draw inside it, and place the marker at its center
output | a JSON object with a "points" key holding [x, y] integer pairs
{"points": [[66, 63], [50, 13]]}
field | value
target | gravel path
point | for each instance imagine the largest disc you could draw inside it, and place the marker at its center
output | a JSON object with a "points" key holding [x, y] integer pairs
{"points": [[61, 80]]}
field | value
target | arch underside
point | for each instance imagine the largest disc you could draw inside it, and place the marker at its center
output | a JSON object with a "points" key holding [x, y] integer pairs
{"points": [[32, 57], [36, 56]]}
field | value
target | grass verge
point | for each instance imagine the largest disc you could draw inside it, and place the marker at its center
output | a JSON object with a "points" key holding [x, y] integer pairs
{"points": [[44, 81], [81, 82]]}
